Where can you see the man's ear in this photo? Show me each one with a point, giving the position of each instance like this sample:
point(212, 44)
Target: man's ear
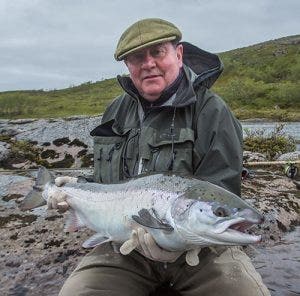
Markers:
point(179, 54)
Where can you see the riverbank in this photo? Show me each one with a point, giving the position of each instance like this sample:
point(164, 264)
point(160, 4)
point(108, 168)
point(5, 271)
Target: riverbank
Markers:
point(36, 256)
point(66, 142)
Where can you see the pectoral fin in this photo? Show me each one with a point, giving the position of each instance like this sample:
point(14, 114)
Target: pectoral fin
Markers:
point(145, 218)
point(95, 240)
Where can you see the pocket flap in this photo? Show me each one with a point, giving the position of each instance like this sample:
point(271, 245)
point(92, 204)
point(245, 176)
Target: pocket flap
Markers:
point(108, 140)
point(181, 135)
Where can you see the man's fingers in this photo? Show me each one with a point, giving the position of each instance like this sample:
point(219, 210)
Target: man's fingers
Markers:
point(152, 247)
point(60, 181)
point(57, 200)
point(192, 258)
point(63, 206)
point(141, 237)
point(129, 245)
point(159, 254)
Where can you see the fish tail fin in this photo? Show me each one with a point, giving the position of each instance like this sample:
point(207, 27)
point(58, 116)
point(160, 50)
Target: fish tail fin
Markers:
point(34, 198)
point(44, 176)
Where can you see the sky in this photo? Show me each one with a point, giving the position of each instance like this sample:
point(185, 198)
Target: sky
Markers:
point(55, 44)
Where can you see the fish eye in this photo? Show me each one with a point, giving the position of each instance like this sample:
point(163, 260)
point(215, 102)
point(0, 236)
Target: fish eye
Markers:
point(221, 212)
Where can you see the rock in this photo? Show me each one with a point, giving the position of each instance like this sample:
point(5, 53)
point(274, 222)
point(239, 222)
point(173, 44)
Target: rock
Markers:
point(4, 150)
point(9, 131)
point(13, 184)
point(22, 121)
point(49, 142)
point(290, 156)
point(249, 156)
point(46, 130)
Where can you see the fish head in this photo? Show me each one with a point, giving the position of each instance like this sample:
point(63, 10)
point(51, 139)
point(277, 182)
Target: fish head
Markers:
point(213, 223)
point(209, 192)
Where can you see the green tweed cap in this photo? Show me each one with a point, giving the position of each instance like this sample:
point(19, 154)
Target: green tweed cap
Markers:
point(144, 33)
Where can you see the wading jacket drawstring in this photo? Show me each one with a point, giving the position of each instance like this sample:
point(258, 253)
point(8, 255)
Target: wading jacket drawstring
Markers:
point(172, 133)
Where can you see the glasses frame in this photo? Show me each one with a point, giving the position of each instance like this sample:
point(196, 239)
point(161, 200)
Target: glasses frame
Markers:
point(157, 52)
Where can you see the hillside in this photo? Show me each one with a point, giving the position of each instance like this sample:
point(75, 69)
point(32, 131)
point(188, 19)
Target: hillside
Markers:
point(261, 80)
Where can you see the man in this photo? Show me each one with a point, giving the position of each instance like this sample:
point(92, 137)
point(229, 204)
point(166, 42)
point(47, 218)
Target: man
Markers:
point(166, 120)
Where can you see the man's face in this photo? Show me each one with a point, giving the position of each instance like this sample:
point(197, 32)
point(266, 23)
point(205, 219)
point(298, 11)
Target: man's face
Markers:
point(154, 68)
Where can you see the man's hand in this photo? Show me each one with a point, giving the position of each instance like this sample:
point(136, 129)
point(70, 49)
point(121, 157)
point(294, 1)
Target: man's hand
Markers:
point(57, 198)
point(146, 245)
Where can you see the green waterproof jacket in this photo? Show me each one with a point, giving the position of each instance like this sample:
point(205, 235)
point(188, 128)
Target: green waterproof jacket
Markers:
point(193, 132)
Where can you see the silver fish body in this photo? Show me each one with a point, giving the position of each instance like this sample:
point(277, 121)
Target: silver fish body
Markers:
point(180, 212)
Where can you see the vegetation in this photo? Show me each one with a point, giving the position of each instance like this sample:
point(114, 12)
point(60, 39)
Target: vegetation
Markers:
point(258, 81)
point(22, 152)
point(86, 99)
point(272, 145)
point(263, 80)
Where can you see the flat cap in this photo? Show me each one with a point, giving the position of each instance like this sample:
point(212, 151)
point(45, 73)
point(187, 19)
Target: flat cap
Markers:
point(144, 33)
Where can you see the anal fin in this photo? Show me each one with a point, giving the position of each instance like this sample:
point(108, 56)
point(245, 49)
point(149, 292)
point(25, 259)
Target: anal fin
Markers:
point(95, 240)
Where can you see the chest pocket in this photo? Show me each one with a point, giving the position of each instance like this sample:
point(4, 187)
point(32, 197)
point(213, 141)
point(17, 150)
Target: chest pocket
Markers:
point(108, 153)
point(162, 153)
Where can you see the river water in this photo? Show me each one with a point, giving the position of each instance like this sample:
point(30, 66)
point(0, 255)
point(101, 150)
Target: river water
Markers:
point(279, 265)
point(290, 128)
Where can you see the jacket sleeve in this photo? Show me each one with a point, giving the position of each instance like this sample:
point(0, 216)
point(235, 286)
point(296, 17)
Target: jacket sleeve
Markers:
point(218, 144)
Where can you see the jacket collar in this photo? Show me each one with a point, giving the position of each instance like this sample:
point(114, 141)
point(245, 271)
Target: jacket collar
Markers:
point(184, 95)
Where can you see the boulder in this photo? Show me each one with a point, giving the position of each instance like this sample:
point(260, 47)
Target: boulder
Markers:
point(4, 150)
point(249, 156)
point(290, 156)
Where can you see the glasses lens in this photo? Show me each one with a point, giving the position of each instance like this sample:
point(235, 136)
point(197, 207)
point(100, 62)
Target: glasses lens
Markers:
point(156, 52)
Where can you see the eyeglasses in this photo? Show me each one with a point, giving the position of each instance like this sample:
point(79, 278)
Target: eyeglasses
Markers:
point(156, 52)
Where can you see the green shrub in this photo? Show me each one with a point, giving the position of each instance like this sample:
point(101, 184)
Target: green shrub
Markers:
point(272, 145)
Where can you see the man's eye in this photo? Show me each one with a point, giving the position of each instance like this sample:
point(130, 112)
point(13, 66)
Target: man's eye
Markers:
point(138, 57)
point(158, 53)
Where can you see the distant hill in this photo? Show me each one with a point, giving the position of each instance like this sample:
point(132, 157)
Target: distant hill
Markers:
point(262, 80)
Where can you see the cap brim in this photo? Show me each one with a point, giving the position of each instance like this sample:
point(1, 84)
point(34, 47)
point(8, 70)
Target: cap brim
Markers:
point(157, 41)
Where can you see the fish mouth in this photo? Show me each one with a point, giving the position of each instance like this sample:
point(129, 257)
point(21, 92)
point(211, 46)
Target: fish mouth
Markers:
point(241, 226)
point(237, 228)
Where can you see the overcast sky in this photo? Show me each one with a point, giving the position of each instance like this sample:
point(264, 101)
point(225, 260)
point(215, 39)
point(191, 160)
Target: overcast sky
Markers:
point(53, 44)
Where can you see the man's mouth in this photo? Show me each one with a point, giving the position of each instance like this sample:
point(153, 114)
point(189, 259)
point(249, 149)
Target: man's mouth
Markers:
point(151, 76)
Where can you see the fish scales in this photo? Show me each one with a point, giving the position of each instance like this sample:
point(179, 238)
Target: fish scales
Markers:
point(110, 212)
point(181, 212)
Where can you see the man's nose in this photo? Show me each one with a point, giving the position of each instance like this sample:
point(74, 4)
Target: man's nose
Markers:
point(148, 60)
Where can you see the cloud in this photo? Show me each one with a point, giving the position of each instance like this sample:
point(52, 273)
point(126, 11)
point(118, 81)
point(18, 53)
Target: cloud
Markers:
point(54, 44)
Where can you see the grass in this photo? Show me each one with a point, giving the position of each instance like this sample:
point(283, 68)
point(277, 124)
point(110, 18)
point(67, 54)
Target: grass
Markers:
point(85, 99)
point(259, 81)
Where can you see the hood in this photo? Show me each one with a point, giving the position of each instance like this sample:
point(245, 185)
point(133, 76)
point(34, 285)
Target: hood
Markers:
point(207, 66)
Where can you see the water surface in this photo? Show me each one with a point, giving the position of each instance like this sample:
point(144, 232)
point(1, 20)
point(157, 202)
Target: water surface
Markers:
point(279, 265)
